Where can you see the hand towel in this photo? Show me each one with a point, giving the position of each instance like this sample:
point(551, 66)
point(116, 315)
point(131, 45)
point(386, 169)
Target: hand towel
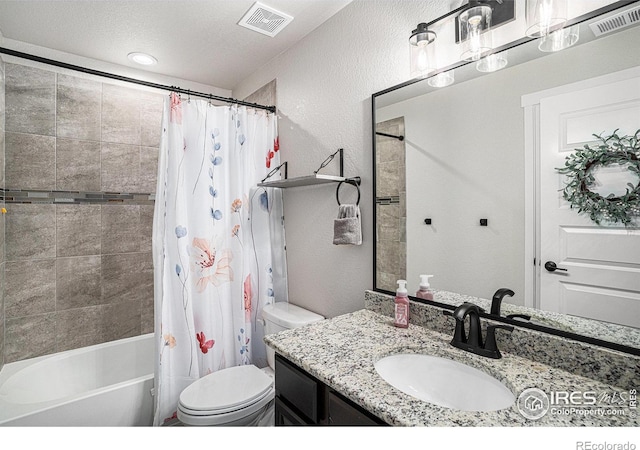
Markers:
point(347, 229)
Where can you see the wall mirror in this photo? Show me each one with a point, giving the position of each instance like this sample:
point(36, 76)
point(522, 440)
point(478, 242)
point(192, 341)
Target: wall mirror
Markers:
point(463, 186)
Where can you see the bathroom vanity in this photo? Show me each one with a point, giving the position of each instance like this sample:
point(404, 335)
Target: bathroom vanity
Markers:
point(325, 374)
point(302, 399)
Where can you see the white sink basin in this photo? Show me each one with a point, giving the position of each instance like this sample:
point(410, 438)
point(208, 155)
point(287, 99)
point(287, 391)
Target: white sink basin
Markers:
point(444, 382)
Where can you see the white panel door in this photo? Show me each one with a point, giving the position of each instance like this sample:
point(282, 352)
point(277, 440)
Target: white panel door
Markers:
point(602, 277)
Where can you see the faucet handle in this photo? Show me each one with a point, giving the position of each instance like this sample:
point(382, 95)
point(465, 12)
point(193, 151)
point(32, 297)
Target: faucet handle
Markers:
point(490, 342)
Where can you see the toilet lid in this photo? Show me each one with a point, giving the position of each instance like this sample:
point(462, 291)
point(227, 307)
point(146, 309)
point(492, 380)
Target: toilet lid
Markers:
point(226, 389)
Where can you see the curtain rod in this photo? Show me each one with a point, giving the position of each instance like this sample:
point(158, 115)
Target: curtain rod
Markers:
point(99, 73)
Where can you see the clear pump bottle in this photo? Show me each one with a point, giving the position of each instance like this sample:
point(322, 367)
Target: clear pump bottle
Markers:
point(425, 292)
point(401, 305)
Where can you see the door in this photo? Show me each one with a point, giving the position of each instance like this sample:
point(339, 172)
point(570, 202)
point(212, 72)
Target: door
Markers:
point(601, 276)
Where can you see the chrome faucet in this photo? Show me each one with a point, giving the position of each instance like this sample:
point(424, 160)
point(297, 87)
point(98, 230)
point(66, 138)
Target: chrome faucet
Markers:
point(473, 342)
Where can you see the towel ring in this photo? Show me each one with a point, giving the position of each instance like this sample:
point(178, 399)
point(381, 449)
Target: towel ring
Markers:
point(351, 182)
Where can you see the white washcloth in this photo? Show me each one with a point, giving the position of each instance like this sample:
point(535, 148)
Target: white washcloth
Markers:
point(347, 229)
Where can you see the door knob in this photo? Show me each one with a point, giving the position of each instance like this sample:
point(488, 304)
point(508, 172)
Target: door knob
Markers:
point(551, 267)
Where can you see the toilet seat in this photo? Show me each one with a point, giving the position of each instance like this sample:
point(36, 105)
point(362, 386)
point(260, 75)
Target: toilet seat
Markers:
point(226, 396)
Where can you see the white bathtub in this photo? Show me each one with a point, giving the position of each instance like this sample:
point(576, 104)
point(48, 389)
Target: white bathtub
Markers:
point(103, 385)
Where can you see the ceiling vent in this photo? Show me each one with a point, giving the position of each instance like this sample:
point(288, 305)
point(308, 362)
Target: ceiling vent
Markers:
point(616, 22)
point(265, 20)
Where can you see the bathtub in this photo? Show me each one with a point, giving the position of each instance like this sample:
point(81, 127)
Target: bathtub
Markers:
point(108, 384)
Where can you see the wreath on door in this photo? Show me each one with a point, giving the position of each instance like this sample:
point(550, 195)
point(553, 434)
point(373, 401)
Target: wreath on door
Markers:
point(579, 169)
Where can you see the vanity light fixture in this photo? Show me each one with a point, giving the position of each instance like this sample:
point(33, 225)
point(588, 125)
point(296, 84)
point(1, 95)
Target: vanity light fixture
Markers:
point(421, 37)
point(545, 16)
point(475, 30)
point(474, 23)
point(559, 40)
point(142, 58)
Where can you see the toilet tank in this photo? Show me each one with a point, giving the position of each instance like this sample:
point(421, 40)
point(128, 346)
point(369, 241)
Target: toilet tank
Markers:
point(281, 316)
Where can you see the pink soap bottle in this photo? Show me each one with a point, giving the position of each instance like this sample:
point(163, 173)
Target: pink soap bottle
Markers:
point(425, 292)
point(401, 305)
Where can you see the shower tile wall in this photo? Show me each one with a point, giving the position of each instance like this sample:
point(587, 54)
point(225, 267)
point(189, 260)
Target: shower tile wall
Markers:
point(2, 258)
point(391, 211)
point(79, 273)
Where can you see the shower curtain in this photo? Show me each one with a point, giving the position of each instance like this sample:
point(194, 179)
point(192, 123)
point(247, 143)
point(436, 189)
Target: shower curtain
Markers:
point(218, 243)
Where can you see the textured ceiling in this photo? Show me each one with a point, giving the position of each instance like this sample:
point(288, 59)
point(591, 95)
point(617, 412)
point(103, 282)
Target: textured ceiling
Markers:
point(198, 40)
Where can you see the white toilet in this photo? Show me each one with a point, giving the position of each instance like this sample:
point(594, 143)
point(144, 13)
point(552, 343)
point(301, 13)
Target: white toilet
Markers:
point(241, 395)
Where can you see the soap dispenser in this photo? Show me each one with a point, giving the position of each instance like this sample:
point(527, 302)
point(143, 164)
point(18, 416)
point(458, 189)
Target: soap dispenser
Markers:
point(425, 291)
point(401, 305)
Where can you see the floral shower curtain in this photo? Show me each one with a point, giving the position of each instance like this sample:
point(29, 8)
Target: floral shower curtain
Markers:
point(213, 236)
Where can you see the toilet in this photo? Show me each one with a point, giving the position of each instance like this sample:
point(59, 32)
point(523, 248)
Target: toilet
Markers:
point(241, 395)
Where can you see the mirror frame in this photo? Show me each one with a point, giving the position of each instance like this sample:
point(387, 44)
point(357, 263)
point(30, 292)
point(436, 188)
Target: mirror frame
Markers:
point(513, 322)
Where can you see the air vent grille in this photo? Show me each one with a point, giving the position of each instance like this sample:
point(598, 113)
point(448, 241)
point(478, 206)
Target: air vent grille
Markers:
point(265, 20)
point(616, 22)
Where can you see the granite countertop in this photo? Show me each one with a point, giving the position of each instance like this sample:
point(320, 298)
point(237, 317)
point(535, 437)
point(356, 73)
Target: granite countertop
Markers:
point(341, 352)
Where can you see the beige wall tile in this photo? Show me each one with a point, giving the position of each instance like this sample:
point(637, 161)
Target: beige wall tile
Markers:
point(79, 327)
point(30, 231)
point(126, 277)
point(120, 167)
point(30, 161)
point(77, 282)
point(121, 320)
point(29, 100)
point(146, 227)
point(78, 108)
point(120, 115)
point(120, 229)
point(78, 230)
point(148, 169)
point(77, 165)
point(151, 106)
point(2, 158)
point(30, 287)
point(31, 336)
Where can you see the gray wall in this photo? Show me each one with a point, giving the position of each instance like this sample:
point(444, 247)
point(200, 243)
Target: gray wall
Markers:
point(2, 263)
point(266, 95)
point(78, 267)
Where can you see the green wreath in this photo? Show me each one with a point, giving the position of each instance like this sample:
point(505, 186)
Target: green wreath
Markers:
point(614, 149)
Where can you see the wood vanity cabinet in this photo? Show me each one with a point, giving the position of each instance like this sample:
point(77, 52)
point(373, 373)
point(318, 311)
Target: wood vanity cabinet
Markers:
point(302, 400)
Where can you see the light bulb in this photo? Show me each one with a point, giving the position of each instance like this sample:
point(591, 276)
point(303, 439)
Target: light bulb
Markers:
point(422, 62)
point(474, 35)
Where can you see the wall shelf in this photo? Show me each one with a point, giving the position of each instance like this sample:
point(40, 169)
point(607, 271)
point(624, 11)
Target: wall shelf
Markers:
point(311, 180)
